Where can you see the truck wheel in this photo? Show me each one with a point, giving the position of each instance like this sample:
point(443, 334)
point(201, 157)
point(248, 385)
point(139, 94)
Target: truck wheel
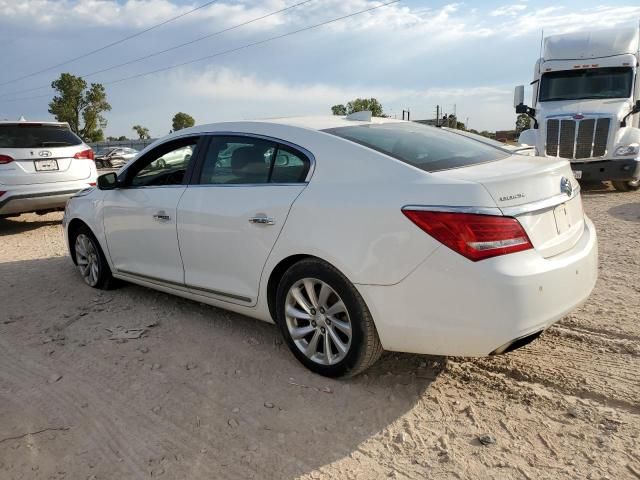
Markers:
point(626, 186)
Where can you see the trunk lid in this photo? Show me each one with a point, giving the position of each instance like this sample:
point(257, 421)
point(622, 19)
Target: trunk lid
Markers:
point(541, 192)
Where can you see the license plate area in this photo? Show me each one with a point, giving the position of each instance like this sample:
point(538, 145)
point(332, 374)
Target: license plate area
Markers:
point(577, 174)
point(563, 218)
point(46, 165)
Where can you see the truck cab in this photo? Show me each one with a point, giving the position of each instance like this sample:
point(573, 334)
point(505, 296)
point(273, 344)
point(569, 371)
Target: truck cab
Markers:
point(586, 105)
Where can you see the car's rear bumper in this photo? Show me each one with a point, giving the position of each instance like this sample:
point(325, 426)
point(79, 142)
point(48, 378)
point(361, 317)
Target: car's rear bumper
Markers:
point(452, 306)
point(603, 170)
point(34, 198)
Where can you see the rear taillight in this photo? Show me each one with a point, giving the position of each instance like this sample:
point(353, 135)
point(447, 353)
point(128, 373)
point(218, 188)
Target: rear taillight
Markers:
point(473, 235)
point(2, 193)
point(85, 155)
point(4, 159)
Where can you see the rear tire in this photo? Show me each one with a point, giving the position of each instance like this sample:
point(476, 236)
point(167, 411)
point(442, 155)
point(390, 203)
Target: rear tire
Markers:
point(626, 185)
point(90, 260)
point(325, 321)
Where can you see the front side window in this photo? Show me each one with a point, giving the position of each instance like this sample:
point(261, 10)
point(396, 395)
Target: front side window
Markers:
point(427, 148)
point(581, 84)
point(164, 165)
point(248, 160)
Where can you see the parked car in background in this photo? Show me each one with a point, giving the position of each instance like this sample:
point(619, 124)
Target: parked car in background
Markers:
point(115, 157)
point(517, 149)
point(353, 236)
point(175, 159)
point(42, 164)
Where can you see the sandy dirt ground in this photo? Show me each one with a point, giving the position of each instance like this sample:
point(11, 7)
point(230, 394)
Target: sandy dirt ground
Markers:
point(207, 394)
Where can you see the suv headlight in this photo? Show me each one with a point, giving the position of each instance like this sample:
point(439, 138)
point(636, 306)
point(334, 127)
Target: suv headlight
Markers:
point(627, 150)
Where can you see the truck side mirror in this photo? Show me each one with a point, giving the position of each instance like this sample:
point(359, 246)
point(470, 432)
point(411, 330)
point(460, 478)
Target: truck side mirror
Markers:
point(635, 109)
point(108, 181)
point(518, 96)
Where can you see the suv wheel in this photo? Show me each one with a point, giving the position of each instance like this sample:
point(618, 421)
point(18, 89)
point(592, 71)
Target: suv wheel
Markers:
point(626, 186)
point(325, 321)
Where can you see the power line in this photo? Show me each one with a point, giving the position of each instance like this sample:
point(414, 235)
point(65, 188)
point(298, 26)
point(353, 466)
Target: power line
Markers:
point(117, 42)
point(159, 52)
point(231, 50)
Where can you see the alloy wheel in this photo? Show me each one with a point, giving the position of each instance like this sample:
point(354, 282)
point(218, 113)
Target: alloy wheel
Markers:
point(87, 259)
point(318, 321)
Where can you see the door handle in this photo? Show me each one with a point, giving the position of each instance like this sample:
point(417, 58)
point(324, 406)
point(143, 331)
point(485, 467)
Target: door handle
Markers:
point(161, 216)
point(263, 220)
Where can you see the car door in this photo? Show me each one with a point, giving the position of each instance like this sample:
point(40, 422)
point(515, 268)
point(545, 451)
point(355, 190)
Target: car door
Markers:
point(140, 215)
point(231, 215)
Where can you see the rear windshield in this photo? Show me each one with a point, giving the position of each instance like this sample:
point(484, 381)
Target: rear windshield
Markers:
point(36, 136)
point(427, 148)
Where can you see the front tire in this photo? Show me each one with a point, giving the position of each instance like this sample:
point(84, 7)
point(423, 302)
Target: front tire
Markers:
point(90, 260)
point(325, 321)
point(626, 185)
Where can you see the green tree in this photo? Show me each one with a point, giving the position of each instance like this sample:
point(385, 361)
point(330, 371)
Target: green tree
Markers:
point(80, 106)
point(339, 109)
point(142, 132)
point(359, 105)
point(523, 122)
point(452, 122)
point(182, 120)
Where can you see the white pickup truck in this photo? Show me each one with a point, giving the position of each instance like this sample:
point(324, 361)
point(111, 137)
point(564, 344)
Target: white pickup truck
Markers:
point(586, 103)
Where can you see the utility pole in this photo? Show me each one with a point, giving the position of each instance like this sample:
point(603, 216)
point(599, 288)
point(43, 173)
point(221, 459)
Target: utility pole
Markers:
point(466, 124)
point(437, 115)
point(455, 117)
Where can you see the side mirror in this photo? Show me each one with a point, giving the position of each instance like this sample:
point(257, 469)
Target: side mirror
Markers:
point(518, 96)
point(108, 181)
point(635, 109)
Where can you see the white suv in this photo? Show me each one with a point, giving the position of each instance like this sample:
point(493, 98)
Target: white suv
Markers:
point(42, 165)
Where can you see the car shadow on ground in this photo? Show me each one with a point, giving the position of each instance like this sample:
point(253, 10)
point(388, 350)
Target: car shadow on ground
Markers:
point(204, 393)
point(13, 225)
point(628, 211)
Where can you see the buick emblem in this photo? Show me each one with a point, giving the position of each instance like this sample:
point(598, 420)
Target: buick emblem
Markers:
point(578, 116)
point(45, 153)
point(565, 186)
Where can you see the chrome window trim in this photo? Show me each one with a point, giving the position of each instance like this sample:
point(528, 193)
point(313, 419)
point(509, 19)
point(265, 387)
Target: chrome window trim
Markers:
point(451, 209)
point(309, 155)
point(543, 204)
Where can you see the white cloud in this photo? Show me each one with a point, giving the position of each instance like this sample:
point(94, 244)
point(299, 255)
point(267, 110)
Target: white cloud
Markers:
point(560, 20)
point(508, 10)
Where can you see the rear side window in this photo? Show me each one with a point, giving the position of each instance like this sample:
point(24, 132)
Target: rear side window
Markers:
point(248, 160)
point(427, 148)
point(31, 135)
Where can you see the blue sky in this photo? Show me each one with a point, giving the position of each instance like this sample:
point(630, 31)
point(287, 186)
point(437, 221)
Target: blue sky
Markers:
point(412, 54)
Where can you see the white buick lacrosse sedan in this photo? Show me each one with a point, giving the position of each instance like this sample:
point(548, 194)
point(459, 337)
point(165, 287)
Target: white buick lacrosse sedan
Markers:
point(354, 236)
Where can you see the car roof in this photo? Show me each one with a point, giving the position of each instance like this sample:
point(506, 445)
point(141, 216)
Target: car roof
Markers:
point(317, 123)
point(18, 122)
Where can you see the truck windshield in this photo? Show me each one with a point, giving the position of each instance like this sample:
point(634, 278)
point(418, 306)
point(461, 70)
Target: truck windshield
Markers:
point(612, 82)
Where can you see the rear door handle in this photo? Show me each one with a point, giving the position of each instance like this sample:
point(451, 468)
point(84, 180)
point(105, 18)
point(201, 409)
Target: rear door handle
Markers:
point(161, 216)
point(263, 220)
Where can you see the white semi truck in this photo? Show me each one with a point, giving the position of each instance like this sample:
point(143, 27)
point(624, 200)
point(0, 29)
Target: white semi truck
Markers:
point(586, 104)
